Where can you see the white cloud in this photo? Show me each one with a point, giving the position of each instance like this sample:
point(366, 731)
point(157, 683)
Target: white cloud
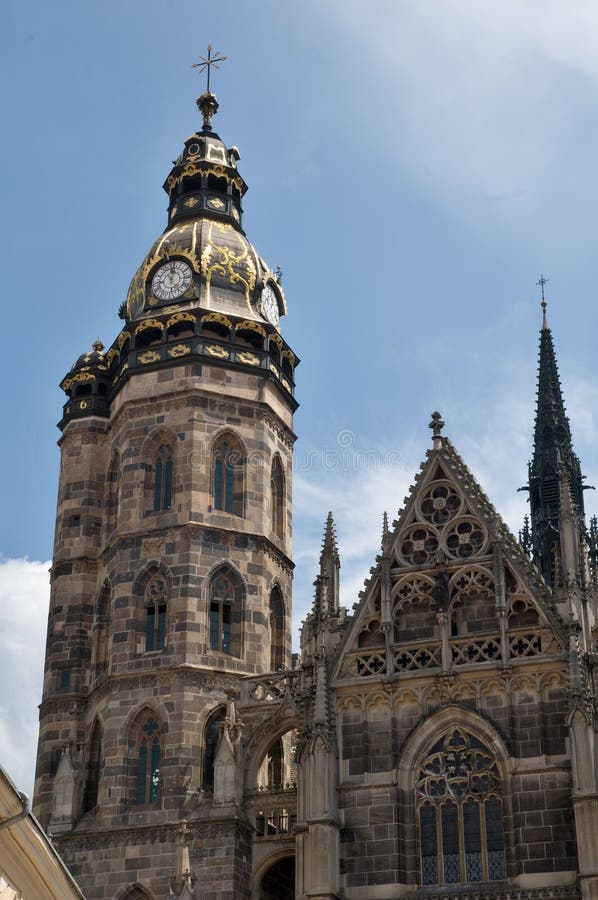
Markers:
point(487, 103)
point(493, 433)
point(24, 593)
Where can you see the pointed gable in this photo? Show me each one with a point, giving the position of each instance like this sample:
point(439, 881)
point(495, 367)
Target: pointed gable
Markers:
point(451, 588)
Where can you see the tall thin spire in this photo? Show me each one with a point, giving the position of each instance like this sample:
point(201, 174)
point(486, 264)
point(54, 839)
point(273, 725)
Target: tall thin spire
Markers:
point(385, 532)
point(329, 544)
point(554, 468)
point(330, 565)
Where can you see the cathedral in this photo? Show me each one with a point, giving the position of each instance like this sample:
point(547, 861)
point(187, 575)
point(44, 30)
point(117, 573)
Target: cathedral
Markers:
point(439, 740)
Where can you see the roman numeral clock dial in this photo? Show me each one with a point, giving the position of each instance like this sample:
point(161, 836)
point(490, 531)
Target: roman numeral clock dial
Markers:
point(172, 280)
point(270, 306)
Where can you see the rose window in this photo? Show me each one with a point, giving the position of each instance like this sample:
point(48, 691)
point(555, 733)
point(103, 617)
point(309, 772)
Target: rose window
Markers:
point(465, 539)
point(419, 546)
point(440, 504)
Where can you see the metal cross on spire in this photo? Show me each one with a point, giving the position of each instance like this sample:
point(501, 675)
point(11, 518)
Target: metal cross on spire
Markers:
point(206, 62)
point(541, 282)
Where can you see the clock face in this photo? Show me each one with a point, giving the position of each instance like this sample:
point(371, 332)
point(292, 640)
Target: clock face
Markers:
point(172, 280)
point(270, 305)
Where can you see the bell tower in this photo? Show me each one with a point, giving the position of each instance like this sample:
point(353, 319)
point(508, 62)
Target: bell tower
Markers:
point(171, 576)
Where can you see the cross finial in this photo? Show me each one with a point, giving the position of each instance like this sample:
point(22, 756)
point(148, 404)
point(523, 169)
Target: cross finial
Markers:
point(541, 282)
point(206, 63)
point(437, 425)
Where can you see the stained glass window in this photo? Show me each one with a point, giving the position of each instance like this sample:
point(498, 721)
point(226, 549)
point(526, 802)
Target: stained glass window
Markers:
point(222, 595)
point(429, 846)
point(155, 613)
point(460, 813)
point(147, 780)
point(277, 499)
point(494, 839)
point(163, 472)
point(228, 478)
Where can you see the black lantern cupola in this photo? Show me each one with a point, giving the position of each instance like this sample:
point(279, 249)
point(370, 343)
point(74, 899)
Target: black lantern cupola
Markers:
point(204, 179)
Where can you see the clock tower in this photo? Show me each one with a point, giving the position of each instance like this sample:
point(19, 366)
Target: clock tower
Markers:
point(171, 575)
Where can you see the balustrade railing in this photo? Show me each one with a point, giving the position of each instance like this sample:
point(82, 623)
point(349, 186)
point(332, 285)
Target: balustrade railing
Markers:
point(409, 659)
point(274, 809)
point(267, 688)
point(460, 651)
point(532, 643)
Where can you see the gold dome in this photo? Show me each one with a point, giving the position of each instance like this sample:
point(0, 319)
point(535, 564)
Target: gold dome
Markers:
point(228, 275)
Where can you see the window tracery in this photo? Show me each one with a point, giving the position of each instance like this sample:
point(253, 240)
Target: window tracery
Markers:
point(473, 579)
point(473, 604)
point(414, 611)
point(211, 738)
point(459, 812)
point(147, 775)
point(227, 472)
point(440, 504)
point(371, 635)
point(225, 611)
point(419, 545)
point(163, 472)
point(465, 538)
point(155, 613)
point(277, 498)
point(412, 589)
point(521, 613)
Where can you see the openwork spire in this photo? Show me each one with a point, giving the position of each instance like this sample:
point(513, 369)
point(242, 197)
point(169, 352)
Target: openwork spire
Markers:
point(554, 472)
point(552, 425)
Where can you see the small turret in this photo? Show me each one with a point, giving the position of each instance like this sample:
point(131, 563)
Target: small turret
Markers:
point(87, 385)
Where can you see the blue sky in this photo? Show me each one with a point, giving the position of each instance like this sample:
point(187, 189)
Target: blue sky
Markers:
point(413, 170)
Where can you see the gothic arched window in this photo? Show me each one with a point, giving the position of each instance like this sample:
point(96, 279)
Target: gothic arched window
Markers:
point(277, 648)
point(459, 813)
point(163, 472)
point(155, 612)
point(277, 498)
point(92, 775)
point(137, 893)
point(228, 471)
point(414, 612)
point(225, 607)
point(211, 737)
point(147, 770)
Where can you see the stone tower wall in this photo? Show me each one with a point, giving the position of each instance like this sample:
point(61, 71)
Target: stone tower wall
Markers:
point(109, 468)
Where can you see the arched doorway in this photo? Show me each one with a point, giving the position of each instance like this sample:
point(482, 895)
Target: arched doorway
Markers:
point(278, 882)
